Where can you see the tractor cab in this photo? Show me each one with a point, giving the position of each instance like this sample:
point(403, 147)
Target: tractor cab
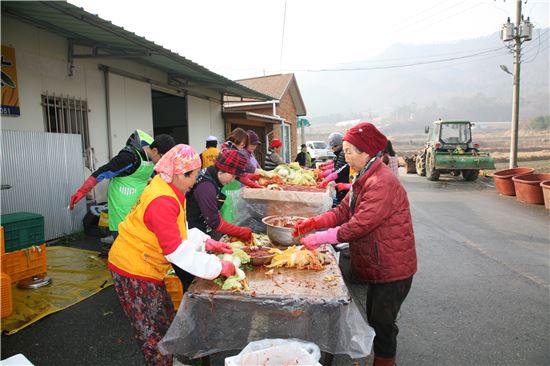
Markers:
point(449, 149)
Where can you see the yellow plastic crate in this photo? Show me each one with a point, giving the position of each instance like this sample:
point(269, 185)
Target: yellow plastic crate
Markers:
point(6, 299)
point(25, 263)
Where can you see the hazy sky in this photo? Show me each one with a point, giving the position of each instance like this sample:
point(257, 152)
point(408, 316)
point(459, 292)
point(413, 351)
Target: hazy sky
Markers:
point(243, 38)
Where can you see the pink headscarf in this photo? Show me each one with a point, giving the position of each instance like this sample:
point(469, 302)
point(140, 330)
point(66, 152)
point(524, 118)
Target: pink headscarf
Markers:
point(178, 160)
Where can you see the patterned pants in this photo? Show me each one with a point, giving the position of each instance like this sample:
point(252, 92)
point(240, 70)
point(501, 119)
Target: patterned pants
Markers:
point(150, 311)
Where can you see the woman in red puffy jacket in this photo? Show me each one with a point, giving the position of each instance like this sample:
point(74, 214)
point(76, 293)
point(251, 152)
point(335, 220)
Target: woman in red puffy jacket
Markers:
point(374, 218)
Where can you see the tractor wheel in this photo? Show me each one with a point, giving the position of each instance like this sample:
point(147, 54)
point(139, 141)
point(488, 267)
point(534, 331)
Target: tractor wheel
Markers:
point(431, 173)
point(470, 175)
point(421, 165)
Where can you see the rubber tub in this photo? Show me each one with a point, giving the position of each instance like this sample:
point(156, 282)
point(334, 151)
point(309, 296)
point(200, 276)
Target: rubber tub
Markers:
point(503, 179)
point(528, 188)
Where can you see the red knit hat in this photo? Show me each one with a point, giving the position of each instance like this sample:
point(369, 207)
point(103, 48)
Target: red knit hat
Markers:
point(275, 143)
point(367, 138)
point(231, 161)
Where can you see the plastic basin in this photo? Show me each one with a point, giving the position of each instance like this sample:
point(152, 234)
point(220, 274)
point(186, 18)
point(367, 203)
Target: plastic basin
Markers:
point(503, 179)
point(545, 185)
point(528, 188)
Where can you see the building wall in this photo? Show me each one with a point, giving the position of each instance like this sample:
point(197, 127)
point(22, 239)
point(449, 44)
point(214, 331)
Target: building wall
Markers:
point(205, 117)
point(41, 60)
point(287, 110)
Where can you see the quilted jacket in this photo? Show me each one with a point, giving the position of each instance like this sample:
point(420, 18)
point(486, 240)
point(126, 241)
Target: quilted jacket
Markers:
point(379, 228)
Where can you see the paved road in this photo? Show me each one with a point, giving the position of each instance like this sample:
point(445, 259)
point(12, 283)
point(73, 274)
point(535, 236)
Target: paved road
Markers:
point(481, 296)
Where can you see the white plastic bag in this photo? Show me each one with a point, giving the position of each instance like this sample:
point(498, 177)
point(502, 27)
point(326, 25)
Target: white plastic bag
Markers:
point(276, 352)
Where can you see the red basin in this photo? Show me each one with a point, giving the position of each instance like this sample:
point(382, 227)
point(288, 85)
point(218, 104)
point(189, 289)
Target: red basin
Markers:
point(546, 193)
point(503, 179)
point(528, 188)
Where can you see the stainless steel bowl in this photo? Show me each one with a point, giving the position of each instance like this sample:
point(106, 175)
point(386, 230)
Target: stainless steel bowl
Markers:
point(278, 234)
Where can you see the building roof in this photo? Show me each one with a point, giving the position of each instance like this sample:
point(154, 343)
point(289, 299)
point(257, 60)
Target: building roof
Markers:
point(275, 86)
point(108, 40)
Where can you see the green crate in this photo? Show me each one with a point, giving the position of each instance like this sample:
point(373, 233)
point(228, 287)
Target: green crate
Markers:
point(22, 230)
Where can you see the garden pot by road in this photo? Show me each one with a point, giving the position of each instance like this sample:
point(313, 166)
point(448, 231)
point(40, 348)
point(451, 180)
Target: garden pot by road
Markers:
point(528, 188)
point(503, 179)
point(546, 193)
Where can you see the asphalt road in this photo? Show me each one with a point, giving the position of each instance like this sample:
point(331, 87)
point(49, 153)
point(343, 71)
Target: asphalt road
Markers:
point(480, 297)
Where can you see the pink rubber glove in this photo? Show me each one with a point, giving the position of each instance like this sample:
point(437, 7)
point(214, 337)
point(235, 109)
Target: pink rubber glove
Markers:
point(315, 240)
point(328, 165)
point(328, 179)
point(343, 186)
point(228, 269)
point(325, 173)
point(212, 245)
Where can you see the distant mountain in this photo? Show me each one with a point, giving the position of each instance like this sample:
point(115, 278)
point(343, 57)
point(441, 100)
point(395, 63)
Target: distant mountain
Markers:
point(472, 88)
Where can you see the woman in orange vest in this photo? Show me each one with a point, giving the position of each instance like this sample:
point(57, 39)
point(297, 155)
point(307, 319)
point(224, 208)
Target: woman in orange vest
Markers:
point(154, 237)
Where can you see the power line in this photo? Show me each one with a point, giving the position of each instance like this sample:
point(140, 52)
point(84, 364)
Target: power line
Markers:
point(424, 12)
point(427, 56)
point(382, 67)
point(282, 39)
point(450, 16)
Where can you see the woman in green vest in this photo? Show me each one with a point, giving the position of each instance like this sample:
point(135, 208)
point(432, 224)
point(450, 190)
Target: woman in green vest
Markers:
point(129, 173)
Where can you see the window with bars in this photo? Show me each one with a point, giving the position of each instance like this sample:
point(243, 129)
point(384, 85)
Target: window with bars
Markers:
point(64, 114)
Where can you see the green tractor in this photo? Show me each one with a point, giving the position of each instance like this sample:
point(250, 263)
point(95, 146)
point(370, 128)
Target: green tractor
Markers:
point(449, 150)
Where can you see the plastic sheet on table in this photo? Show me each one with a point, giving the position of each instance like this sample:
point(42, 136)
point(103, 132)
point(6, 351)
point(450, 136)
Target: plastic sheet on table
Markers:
point(251, 205)
point(288, 304)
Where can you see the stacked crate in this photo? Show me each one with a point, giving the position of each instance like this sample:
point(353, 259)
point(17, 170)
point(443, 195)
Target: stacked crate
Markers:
point(23, 250)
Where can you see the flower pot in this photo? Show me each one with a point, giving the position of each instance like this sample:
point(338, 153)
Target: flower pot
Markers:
point(528, 189)
point(503, 179)
point(546, 193)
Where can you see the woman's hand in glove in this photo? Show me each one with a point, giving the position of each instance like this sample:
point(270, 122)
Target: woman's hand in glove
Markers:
point(343, 186)
point(331, 177)
point(212, 245)
point(304, 226)
point(249, 180)
point(228, 269)
point(315, 240)
point(325, 173)
point(327, 165)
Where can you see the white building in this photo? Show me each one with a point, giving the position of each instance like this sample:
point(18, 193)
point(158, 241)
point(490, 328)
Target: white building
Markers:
point(79, 74)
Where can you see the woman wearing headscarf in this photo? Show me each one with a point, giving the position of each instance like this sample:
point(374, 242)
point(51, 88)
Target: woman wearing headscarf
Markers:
point(337, 169)
point(375, 219)
point(154, 237)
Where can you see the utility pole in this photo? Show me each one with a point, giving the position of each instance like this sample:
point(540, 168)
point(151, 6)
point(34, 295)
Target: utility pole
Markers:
point(519, 32)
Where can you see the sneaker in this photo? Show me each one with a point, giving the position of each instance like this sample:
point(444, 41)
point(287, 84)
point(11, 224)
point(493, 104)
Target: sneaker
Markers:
point(107, 240)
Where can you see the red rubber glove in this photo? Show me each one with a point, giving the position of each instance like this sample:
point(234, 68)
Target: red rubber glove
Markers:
point(228, 269)
point(254, 176)
point(212, 245)
point(244, 233)
point(247, 180)
point(85, 188)
point(304, 226)
point(343, 186)
point(327, 219)
point(315, 240)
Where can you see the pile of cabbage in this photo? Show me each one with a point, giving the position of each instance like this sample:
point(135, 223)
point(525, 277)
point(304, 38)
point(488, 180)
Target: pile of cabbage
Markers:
point(239, 258)
point(291, 173)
